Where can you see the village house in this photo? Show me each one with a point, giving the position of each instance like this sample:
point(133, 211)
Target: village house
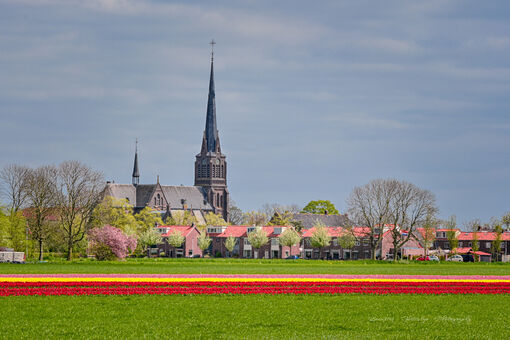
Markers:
point(188, 248)
point(334, 251)
point(243, 249)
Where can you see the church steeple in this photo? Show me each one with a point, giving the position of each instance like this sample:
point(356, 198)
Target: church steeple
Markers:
point(210, 163)
point(211, 139)
point(136, 172)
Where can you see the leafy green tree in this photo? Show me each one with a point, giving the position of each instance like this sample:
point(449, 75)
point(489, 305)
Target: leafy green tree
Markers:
point(496, 244)
point(320, 207)
point(148, 238)
point(175, 239)
point(12, 229)
point(289, 238)
point(257, 238)
point(298, 225)
point(185, 218)
point(115, 212)
point(230, 244)
point(204, 242)
point(147, 219)
point(451, 233)
point(429, 233)
point(214, 219)
point(281, 218)
point(347, 240)
point(506, 220)
point(320, 237)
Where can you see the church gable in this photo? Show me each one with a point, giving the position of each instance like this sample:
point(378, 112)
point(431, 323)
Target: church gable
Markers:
point(157, 199)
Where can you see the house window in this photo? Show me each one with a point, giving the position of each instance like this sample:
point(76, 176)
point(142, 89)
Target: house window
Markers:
point(447, 245)
point(487, 244)
point(335, 241)
point(470, 244)
point(366, 242)
point(357, 243)
point(247, 253)
point(274, 241)
point(502, 245)
point(246, 242)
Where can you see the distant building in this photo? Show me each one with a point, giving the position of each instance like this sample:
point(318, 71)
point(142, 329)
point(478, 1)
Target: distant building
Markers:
point(309, 220)
point(209, 193)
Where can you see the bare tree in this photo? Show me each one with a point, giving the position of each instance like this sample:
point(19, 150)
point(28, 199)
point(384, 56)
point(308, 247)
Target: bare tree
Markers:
point(255, 218)
point(40, 194)
point(235, 215)
point(13, 180)
point(269, 209)
point(370, 206)
point(409, 207)
point(79, 191)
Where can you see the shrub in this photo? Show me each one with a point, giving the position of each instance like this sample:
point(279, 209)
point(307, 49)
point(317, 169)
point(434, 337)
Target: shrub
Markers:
point(108, 243)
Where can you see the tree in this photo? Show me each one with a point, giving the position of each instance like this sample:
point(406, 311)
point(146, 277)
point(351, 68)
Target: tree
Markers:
point(409, 208)
point(40, 194)
point(13, 181)
point(347, 240)
point(185, 218)
point(235, 215)
point(369, 206)
point(230, 243)
point(115, 212)
point(506, 220)
point(257, 238)
point(451, 232)
point(148, 238)
point(269, 209)
point(289, 238)
point(298, 225)
point(320, 237)
point(320, 207)
point(204, 242)
point(79, 190)
point(147, 219)
point(175, 239)
point(255, 218)
point(214, 219)
point(108, 243)
point(429, 233)
point(496, 244)
point(281, 218)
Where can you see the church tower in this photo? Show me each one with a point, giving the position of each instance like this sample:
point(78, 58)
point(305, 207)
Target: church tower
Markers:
point(210, 163)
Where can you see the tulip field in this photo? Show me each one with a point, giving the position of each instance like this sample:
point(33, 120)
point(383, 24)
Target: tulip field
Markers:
point(113, 303)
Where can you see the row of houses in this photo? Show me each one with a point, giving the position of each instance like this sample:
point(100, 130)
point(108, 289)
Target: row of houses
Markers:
point(361, 250)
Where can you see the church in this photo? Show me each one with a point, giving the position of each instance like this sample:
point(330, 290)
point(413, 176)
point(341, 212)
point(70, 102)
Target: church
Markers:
point(208, 194)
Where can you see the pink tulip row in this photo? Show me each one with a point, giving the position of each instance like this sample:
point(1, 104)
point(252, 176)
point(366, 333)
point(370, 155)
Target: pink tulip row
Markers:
point(277, 287)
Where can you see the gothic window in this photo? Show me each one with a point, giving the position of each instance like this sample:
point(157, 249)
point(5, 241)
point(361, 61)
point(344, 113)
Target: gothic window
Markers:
point(222, 171)
point(208, 170)
point(155, 201)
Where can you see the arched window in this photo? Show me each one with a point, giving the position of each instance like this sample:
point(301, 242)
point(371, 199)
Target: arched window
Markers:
point(208, 170)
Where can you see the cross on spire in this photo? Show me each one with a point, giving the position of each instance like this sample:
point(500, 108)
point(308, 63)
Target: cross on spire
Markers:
point(212, 43)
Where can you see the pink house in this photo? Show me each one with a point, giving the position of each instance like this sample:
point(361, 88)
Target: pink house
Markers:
point(243, 249)
point(189, 247)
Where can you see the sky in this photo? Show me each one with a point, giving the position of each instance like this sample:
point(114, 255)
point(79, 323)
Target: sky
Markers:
point(312, 98)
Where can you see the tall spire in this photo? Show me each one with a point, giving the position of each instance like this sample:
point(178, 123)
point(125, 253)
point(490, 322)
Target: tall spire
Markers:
point(136, 173)
point(211, 130)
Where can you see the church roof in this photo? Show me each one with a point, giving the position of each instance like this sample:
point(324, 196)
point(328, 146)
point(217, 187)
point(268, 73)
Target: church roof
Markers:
point(140, 195)
point(196, 197)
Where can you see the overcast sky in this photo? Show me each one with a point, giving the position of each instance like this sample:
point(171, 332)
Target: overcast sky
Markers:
point(312, 98)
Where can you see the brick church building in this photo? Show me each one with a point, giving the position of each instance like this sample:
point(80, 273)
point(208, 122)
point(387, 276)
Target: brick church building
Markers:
point(209, 193)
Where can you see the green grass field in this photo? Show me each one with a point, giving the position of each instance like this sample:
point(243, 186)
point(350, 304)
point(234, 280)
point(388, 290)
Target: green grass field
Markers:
point(239, 266)
point(256, 316)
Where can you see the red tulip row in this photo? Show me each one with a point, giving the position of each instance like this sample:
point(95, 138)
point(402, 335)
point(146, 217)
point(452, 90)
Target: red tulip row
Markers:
point(358, 287)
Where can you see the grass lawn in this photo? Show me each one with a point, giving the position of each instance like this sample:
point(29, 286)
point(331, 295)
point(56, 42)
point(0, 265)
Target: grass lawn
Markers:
point(256, 316)
point(242, 266)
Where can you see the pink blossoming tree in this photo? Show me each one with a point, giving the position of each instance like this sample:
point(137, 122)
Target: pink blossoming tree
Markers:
point(109, 243)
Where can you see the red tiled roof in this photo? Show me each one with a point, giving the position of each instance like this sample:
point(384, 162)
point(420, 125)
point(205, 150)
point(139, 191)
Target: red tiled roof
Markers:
point(466, 250)
point(183, 229)
point(483, 236)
